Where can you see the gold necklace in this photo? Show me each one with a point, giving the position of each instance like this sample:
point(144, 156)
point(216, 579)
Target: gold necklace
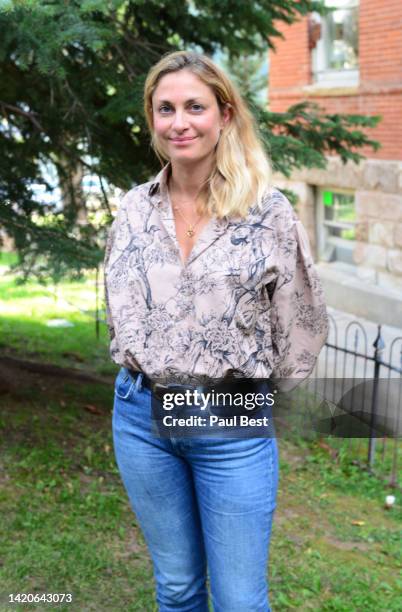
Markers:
point(191, 226)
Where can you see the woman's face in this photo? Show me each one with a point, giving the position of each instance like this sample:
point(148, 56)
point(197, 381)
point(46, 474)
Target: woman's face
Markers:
point(186, 117)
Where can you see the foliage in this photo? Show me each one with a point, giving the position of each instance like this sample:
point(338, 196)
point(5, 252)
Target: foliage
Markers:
point(249, 73)
point(72, 76)
point(303, 135)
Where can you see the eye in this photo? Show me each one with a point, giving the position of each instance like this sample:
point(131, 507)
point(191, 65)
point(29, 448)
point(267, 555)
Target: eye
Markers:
point(164, 108)
point(197, 107)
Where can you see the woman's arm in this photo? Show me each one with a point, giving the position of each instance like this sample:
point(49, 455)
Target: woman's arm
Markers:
point(299, 321)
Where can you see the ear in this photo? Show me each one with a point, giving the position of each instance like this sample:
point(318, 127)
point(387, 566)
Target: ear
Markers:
point(226, 114)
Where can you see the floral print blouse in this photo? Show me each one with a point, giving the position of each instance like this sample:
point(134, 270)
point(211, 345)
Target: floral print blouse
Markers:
point(247, 303)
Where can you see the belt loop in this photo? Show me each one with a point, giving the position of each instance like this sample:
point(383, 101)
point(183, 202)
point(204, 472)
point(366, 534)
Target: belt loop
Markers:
point(138, 382)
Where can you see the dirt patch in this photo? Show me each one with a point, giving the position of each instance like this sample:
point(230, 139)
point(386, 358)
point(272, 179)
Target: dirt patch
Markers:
point(294, 456)
point(41, 383)
point(132, 546)
point(12, 367)
point(284, 514)
point(37, 401)
point(346, 545)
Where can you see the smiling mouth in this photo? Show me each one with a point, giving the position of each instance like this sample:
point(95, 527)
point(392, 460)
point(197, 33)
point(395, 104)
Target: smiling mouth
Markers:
point(182, 139)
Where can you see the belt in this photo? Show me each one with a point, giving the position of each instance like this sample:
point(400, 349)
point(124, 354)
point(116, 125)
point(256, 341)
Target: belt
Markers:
point(244, 385)
point(146, 382)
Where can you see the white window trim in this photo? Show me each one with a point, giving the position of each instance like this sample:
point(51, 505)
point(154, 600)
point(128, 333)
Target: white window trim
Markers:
point(323, 77)
point(336, 78)
point(325, 242)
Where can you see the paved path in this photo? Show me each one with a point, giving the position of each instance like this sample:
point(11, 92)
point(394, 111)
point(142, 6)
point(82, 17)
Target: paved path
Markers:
point(350, 335)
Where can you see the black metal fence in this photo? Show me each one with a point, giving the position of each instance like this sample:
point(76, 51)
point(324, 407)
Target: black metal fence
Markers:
point(350, 358)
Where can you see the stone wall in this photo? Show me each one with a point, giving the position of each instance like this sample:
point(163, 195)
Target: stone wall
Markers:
point(378, 190)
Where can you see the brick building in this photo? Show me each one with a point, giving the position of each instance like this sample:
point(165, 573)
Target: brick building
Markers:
point(350, 61)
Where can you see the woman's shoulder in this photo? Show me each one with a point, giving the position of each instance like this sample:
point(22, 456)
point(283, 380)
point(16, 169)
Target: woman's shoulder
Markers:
point(276, 199)
point(274, 207)
point(138, 191)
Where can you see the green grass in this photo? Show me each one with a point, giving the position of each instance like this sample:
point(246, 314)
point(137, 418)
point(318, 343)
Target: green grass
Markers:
point(336, 547)
point(70, 529)
point(8, 259)
point(65, 520)
point(26, 311)
point(63, 508)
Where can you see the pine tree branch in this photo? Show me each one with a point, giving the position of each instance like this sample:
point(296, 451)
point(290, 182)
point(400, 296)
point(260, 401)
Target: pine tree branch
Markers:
point(29, 114)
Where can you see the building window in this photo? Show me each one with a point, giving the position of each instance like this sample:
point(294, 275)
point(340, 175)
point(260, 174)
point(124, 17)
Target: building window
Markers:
point(335, 44)
point(337, 225)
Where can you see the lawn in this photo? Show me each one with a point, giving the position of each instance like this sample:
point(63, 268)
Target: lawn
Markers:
point(66, 523)
point(30, 313)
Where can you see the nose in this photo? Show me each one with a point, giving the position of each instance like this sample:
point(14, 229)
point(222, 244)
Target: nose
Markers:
point(180, 121)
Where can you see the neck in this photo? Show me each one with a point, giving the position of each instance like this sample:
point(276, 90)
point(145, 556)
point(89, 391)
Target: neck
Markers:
point(187, 180)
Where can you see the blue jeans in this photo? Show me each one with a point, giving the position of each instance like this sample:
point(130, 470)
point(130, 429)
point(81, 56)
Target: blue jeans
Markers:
point(200, 502)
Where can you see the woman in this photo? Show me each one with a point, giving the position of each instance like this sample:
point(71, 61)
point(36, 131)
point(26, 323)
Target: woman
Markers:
point(208, 279)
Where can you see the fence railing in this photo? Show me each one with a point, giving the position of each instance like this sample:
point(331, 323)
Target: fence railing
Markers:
point(369, 373)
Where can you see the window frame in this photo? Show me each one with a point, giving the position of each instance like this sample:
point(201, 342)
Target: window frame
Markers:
point(327, 244)
point(322, 75)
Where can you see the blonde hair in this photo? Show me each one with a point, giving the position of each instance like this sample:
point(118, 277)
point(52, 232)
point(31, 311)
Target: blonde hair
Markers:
point(242, 171)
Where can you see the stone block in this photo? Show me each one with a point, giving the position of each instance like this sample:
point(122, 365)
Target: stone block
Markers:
point(362, 231)
point(381, 175)
point(382, 233)
point(336, 174)
point(382, 206)
point(371, 255)
point(303, 192)
point(345, 176)
point(359, 252)
point(398, 235)
point(400, 178)
point(394, 261)
point(371, 174)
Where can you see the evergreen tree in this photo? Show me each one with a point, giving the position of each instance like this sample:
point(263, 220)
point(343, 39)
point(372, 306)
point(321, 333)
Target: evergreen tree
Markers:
point(71, 82)
point(249, 72)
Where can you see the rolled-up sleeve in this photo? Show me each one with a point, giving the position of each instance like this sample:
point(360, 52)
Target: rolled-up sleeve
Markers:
point(299, 321)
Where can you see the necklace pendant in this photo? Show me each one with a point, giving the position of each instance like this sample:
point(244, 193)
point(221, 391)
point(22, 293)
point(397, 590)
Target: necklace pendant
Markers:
point(190, 232)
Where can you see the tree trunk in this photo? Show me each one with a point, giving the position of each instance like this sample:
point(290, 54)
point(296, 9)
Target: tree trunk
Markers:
point(71, 173)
